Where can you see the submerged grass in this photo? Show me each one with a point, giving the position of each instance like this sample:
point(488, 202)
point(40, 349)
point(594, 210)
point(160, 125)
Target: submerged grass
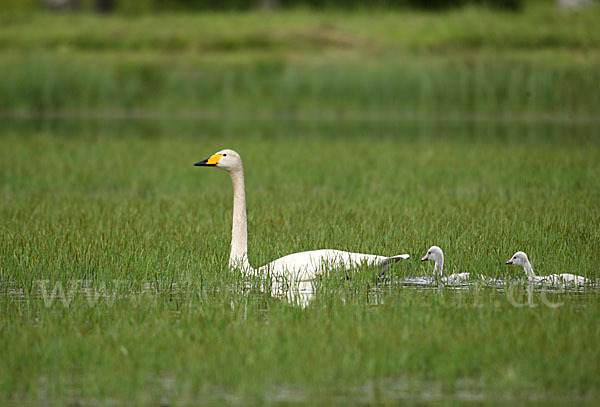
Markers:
point(119, 206)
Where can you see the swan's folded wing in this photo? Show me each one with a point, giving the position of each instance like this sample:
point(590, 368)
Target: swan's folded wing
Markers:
point(563, 279)
point(458, 278)
point(573, 279)
point(310, 263)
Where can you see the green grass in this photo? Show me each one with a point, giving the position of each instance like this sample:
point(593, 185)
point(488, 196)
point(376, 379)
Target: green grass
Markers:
point(118, 204)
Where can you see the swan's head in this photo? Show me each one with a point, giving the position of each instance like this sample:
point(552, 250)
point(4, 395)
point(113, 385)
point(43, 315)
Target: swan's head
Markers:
point(227, 160)
point(518, 259)
point(434, 254)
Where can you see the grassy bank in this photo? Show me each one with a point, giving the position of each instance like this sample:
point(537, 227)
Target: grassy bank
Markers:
point(308, 33)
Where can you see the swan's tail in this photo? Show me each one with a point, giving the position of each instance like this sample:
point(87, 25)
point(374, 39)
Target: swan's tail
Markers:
point(399, 257)
point(394, 259)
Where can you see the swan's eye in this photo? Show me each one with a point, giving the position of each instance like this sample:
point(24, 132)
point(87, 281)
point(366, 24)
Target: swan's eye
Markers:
point(428, 252)
point(224, 155)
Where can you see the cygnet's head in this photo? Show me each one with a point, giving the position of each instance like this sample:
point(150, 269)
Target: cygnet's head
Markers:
point(434, 254)
point(518, 259)
point(227, 160)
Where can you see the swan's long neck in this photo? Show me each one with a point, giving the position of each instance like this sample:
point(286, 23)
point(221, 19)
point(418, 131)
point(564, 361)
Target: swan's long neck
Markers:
point(439, 266)
point(239, 230)
point(529, 270)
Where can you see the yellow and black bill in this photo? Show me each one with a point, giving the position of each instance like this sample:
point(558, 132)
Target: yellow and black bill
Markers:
point(209, 162)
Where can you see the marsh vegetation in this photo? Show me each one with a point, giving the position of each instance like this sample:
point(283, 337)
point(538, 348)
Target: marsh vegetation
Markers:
point(357, 133)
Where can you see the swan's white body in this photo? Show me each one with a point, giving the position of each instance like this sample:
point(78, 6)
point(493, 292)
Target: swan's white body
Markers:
point(306, 264)
point(294, 267)
point(436, 255)
point(456, 278)
point(564, 278)
point(520, 259)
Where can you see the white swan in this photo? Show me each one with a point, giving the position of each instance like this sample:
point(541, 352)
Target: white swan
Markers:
point(520, 259)
point(436, 255)
point(295, 267)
